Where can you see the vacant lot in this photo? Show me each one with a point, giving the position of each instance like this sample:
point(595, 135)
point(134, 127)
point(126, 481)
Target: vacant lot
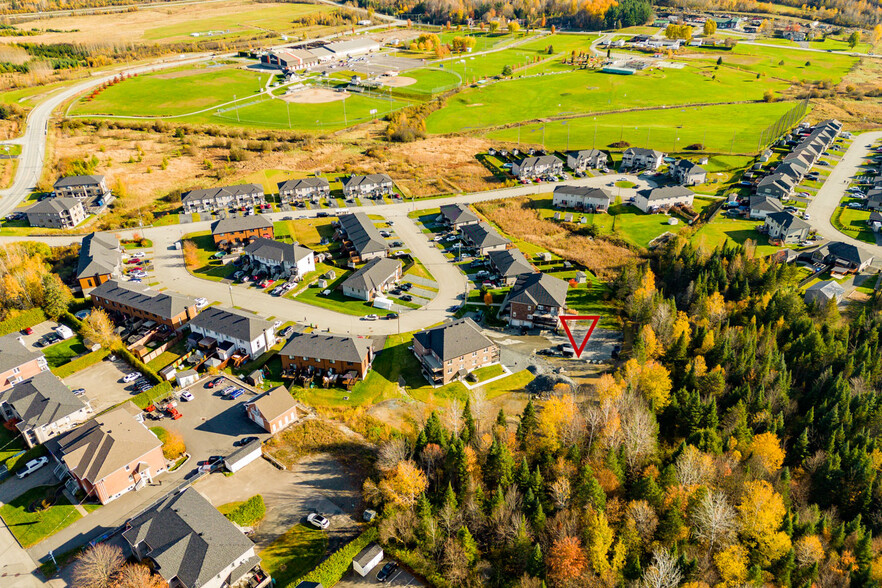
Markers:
point(722, 230)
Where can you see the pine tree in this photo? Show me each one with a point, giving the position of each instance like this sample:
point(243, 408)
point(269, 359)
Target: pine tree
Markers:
point(528, 424)
point(470, 428)
point(538, 518)
point(536, 563)
point(450, 498)
point(501, 420)
point(588, 490)
point(469, 545)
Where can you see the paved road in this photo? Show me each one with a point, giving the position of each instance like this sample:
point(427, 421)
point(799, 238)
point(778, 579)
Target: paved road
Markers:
point(824, 204)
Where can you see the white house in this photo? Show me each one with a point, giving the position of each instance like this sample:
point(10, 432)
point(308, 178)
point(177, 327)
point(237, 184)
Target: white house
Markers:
point(250, 334)
point(640, 158)
point(279, 258)
point(658, 198)
point(582, 198)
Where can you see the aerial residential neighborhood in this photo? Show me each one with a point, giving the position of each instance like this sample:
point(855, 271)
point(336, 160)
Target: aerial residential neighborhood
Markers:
point(518, 295)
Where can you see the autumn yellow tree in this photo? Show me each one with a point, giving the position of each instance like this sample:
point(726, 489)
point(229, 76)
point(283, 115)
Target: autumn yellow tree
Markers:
point(99, 328)
point(710, 27)
point(732, 564)
point(655, 384)
point(761, 512)
point(191, 254)
point(808, 550)
point(403, 484)
point(556, 412)
point(173, 445)
point(649, 342)
point(877, 34)
point(600, 539)
point(767, 453)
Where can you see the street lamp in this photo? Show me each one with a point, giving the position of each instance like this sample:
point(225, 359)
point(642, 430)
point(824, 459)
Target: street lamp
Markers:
point(231, 296)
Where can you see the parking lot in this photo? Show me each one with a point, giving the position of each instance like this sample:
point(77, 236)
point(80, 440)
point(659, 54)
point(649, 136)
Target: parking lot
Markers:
point(400, 577)
point(103, 384)
point(39, 331)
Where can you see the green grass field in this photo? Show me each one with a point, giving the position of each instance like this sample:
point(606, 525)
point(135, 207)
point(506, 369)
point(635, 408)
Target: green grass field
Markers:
point(723, 229)
point(767, 60)
point(592, 91)
point(430, 80)
point(294, 554)
point(63, 352)
point(854, 224)
point(174, 92)
point(32, 527)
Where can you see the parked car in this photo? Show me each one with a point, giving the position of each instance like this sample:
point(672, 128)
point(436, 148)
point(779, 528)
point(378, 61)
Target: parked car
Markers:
point(235, 393)
point(82, 314)
point(406, 298)
point(318, 520)
point(79, 391)
point(370, 317)
point(244, 441)
point(32, 466)
point(201, 302)
point(131, 377)
point(186, 396)
point(228, 390)
point(391, 315)
point(27, 331)
point(211, 461)
point(215, 382)
point(386, 572)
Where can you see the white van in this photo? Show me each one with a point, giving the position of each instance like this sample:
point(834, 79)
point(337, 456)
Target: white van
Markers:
point(64, 332)
point(340, 211)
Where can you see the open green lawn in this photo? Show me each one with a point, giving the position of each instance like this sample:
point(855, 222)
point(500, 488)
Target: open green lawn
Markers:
point(484, 40)
point(487, 372)
point(668, 130)
point(854, 224)
point(560, 43)
point(593, 91)
point(294, 554)
point(590, 298)
point(309, 232)
point(10, 444)
point(207, 268)
point(32, 527)
point(336, 300)
point(179, 91)
point(723, 229)
point(767, 60)
point(431, 80)
point(63, 352)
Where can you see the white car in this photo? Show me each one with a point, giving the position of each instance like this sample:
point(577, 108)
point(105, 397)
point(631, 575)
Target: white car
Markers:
point(277, 324)
point(201, 302)
point(131, 377)
point(369, 317)
point(316, 520)
point(32, 466)
point(228, 390)
point(187, 396)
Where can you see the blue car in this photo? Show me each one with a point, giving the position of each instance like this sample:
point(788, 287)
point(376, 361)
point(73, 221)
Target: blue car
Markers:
point(236, 393)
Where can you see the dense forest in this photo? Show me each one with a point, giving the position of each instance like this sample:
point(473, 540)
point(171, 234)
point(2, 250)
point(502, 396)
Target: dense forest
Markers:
point(738, 445)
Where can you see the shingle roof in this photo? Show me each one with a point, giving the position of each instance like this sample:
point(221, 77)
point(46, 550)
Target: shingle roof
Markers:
point(826, 289)
point(483, 235)
point(361, 231)
point(848, 252)
point(240, 223)
point(454, 339)
point(688, 166)
point(644, 152)
point(104, 444)
point(14, 354)
point(142, 297)
point(99, 254)
point(89, 180)
point(277, 251)
point(778, 179)
point(54, 205)
point(368, 179)
point(230, 322)
point(788, 221)
point(296, 184)
point(540, 160)
point(372, 274)
point(586, 153)
point(656, 194)
point(586, 191)
point(366, 555)
point(767, 203)
point(274, 403)
point(510, 262)
point(536, 289)
point(330, 347)
point(188, 538)
point(458, 213)
point(213, 193)
point(41, 400)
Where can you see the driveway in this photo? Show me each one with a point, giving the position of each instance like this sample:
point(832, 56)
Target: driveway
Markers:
point(317, 483)
point(14, 486)
point(41, 329)
point(399, 577)
point(103, 384)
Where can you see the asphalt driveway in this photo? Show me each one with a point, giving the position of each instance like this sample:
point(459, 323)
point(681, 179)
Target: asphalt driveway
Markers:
point(103, 384)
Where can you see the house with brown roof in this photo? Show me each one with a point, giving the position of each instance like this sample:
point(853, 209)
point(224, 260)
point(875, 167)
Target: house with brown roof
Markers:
point(340, 353)
point(17, 362)
point(232, 232)
point(131, 300)
point(535, 300)
point(110, 455)
point(274, 410)
point(453, 350)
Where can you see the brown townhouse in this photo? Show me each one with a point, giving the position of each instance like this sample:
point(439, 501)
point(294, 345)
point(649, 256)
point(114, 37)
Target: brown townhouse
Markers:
point(100, 260)
point(134, 300)
point(17, 362)
point(273, 410)
point(451, 351)
point(230, 232)
point(324, 352)
point(535, 300)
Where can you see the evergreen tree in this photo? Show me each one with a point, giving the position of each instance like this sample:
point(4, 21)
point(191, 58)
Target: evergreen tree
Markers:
point(536, 563)
point(470, 428)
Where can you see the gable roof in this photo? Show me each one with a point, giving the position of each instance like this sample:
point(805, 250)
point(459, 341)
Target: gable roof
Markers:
point(847, 251)
point(828, 288)
point(230, 322)
point(99, 254)
point(454, 339)
point(510, 262)
point(274, 403)
point(13, 353)
point(767, 203)
point(330, 347)
point(213, 193)
point(689, 167)
point(360, 230)
point(540, 160)
point(656, 194)
point(644, 152)
point(538, 289)
point(187, 538)
point(89, 180)
point(104, 444)
point(585, 191)
point(777, 179)
point(41, 400)
point(310, 182)
point(355, 180)
point(372, 274)
point(483, 235)
point(142, 297)
point(240, 223)
point(277, 251)
point(788, 221)
point(586, 153)
point(458, 213)
point(54, 206)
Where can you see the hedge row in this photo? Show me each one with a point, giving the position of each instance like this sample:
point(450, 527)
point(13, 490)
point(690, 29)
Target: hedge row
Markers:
point(25, 319)
point(148, 397)
point(332, 569)
point(80, 363)
point(138, 364)
point(249, 512)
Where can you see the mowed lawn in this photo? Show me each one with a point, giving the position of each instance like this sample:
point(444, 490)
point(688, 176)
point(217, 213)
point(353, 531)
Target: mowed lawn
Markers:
point(797, 65)
point(294, 554)
point(32, 527)
point(430, 80)
point(855, 223)
point(668, 130)
point(722, 230)
point(175, 92)
point(593, 91)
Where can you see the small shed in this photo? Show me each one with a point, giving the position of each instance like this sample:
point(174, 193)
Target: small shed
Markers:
point(186, 378)
point(255, 378)
point(330, 275)
point(581, 277)
point(322, 283)
point(367, 559)
point(243, 456)
point(823, 292)
point(543, 256)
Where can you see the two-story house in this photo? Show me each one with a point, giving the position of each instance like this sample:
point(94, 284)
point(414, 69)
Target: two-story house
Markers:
point(531, 167)
point(640, 158)
point(483, 238)
point(131, 300)
point(100, 260)
point(582, 198)
point(328, 352)
point(81, 187)
point(372, 279)
point(786, 227)
point(361, 238)
point(777, 185)
point(42, 408)
point(535, 300)
point(649, 200)
point(233, 232)
point(251, 335)
point(213, 199)
point(453, 350)
point(508, 265)
point(274, 410)
point(845, 258)
point(281, 260)
point(586, 158)
point(457, 216)
point(292, 191)
point(369, 185)
point(688, 173)
point(57, 213)
point(17, 362)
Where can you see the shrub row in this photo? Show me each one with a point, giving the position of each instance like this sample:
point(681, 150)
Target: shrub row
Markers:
point(80, 363)
point(249, 512)
point(138, 364)
point(19, 322)
point(332, 569)
point(148, 397)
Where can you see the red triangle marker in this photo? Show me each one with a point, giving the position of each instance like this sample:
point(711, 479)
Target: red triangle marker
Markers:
point(564, 319)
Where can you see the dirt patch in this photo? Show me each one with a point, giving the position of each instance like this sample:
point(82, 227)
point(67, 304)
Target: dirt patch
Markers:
point(396, 81)
point(315, 96)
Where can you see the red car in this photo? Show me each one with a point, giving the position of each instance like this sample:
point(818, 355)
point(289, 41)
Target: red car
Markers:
point(214, 382)
point(134, 260)
point(28, 331)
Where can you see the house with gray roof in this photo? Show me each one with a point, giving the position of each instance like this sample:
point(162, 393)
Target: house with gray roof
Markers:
point(509, 264)
point(458, 215)
point(874, 199)
point(340, 353)
point(821, 293)
point(281, 260)
point(586, 158)
point(246, 332)
point(42, 407)
point(372, 279)
point(582, 198)
point(535, 300)
point(844, 257)
point(109, 455)
point(640, 158)
point(653, 199)
point(188, 542)
point(240, 230)
point(81, 187)
point(213, 199)
point(483, 238)
point(134, 301)
point(291, 191)
point(361, 237)
point(57, 213)
point(786, 227)
point(776, 185)
point(531, 167)
point(18, 362)
point(762, 206)
point(453, 350)
point(369, 185)
point(100, 260)
point(788, 168)
point(688, 173)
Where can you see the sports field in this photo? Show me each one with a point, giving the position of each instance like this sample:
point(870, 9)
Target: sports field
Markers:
point(670, 130)
point(174, 92)
point(430, 80)
point(797, 65)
